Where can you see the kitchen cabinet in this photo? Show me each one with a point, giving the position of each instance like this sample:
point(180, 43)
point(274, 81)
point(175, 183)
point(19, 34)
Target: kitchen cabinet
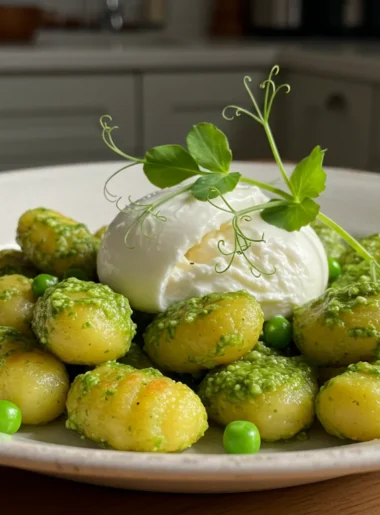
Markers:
point(55, 119)
point(173, 102)
point(332, 113)
point(375, 133)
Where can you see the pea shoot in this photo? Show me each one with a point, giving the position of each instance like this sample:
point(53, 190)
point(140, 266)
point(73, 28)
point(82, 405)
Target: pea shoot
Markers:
point(278, 332)
point(208, 161)
point(42, 282)
point(335, 270)
point(10, 417)
point(241, 437)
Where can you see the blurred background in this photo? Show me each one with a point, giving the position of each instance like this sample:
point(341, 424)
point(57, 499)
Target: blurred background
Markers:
point(159, 66)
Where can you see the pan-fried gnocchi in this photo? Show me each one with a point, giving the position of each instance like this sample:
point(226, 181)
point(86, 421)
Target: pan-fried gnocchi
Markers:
point(55, 243)
point(204, 332)
point(16, 302)
point(341, 327)
point(348, 405)
point(83, 323)
point(274, 392)
point(34, 380)
point(127, 409)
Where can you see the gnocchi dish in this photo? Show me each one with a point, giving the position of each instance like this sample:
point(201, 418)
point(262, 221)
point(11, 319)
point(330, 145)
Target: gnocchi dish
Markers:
point(204, 303)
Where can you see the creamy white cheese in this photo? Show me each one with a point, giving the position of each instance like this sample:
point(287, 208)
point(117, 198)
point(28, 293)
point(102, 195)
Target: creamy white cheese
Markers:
point(178, 260)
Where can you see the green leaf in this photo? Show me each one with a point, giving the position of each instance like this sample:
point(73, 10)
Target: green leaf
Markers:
point(308, 178)
point(212, 185)
point(168, 165)
point(292, 216)
point(209, 147)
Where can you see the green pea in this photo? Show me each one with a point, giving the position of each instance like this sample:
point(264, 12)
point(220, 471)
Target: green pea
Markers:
point(241, 437)
point(42, 282)
point(78, 273)
point(10, 418)
point(278, 332)
point(335, 270)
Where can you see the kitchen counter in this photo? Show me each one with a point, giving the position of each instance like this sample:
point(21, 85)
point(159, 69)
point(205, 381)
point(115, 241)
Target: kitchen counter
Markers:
point(78, 52)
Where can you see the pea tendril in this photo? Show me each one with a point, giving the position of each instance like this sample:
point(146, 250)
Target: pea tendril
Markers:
point(208, 158)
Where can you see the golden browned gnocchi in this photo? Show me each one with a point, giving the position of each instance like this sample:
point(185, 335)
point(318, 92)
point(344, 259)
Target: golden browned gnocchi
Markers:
point(13, 261)
point(55, 243)
point(16, 302)
point(348, 405)
point(83, 323)
point(274, 392)
point(204, 332)
point(135, 410)
point(34, 380)
point(341, 327)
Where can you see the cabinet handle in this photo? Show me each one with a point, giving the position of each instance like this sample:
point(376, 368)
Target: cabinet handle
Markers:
point(336, 102)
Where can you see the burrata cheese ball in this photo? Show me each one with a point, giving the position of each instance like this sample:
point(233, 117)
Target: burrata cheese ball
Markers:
point(16, 302)
point(180, 258)
point(54, 243)
point(34, 380)
point(204, 332)
point(83, 323)
point(348, 405)
point(126, 409)
point(341, 327)
point(274, 392)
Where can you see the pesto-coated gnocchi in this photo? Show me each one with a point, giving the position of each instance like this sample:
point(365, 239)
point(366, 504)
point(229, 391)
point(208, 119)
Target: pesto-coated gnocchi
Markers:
point(16, 302)
point(348, 405)
point(83, 323)
point(204, 332)
point(370, 243)
point(341, 327)
point(274, 392)
point(135, 410)
point(34, 380)
point(55, 243)
point(13, 261)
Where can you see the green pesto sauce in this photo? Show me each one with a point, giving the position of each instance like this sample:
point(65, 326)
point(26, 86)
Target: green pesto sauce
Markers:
point(337, 302)
point(364, 368)
point(9, 335)
point(6, 293)
point(370, 243)
point(331, 241)
point(247, 379)
point(71, 240)
point(188, 312)
point(357, 273)
point(66, 297)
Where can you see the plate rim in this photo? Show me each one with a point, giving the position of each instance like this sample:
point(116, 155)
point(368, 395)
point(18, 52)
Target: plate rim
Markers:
point(342, 460)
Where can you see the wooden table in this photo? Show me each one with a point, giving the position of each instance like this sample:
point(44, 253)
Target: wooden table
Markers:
point(35, 494)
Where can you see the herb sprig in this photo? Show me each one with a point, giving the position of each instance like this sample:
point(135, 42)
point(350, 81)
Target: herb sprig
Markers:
point(208, 160)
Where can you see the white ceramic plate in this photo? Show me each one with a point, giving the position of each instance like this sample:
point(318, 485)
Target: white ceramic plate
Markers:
point(352, 199)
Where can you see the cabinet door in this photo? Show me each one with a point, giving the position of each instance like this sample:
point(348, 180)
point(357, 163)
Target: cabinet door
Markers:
point(55, 120)
point(331, 113)
point(173, 103)
point(375, 135)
